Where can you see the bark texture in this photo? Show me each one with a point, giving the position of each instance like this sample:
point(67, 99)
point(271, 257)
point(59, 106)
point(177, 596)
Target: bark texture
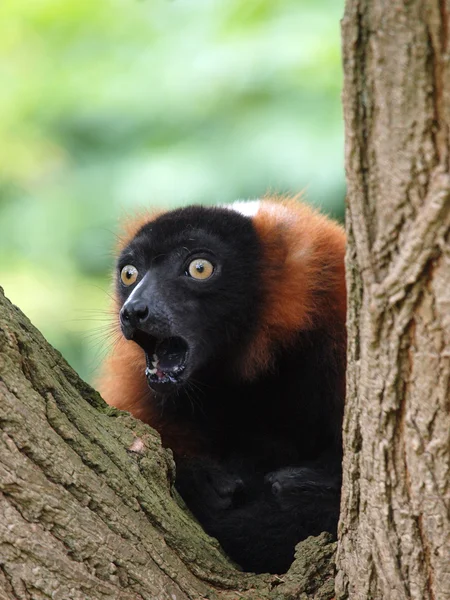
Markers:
point(394, 529)
point(87, 506)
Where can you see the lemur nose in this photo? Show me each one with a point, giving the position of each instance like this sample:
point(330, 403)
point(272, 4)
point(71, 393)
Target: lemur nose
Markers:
point(134, 312)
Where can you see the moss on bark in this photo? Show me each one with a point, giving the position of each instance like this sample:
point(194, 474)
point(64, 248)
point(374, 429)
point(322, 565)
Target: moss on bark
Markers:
point(87, 504)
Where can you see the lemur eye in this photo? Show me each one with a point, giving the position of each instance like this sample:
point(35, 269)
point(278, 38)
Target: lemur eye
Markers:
point(128, 275)
point(200, 268)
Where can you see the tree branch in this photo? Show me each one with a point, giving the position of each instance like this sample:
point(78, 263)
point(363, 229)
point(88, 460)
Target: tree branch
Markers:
point(87, 505)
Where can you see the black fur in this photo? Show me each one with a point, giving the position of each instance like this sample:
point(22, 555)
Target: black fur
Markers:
point(269, 474)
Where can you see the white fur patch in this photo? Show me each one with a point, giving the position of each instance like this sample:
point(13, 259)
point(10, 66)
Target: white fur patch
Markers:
point(248, 208)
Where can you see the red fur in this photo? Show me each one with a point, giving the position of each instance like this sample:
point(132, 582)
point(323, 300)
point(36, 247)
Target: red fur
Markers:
point(297, 243)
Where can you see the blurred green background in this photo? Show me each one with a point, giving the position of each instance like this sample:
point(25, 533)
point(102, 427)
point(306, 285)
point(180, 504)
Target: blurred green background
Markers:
point(110, 105)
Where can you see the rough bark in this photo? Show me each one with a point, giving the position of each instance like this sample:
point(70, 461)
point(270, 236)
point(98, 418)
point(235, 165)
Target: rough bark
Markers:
point(394, 530)
point(87, 506)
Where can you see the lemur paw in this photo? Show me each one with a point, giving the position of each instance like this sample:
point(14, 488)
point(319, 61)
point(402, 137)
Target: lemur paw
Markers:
point(289, 484)
point(203, 482)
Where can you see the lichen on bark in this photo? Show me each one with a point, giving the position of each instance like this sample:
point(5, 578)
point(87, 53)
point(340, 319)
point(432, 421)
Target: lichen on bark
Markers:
point(87, 504)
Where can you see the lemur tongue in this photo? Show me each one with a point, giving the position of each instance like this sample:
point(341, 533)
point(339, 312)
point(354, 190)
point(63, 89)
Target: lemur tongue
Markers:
point(170, 354)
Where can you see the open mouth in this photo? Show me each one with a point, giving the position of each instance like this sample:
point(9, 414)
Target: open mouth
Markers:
point(166, 360)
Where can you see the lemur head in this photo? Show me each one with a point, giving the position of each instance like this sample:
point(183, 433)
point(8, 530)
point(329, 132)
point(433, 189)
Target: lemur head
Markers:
point(210, 291)
point(189, 288)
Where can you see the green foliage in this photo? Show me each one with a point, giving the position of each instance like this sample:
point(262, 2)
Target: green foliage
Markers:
point(110, 105)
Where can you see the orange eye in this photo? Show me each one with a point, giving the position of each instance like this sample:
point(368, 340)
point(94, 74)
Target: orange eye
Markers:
point(128, 275)
point(200, 268)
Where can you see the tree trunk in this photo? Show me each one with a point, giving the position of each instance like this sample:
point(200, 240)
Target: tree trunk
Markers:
point(394, 529)
point(87, 506)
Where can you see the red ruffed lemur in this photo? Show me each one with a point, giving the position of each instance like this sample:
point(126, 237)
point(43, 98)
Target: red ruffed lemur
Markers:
point(234, 319)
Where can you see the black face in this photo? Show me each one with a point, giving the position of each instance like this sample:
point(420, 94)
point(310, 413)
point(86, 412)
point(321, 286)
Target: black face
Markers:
point(190, 287)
